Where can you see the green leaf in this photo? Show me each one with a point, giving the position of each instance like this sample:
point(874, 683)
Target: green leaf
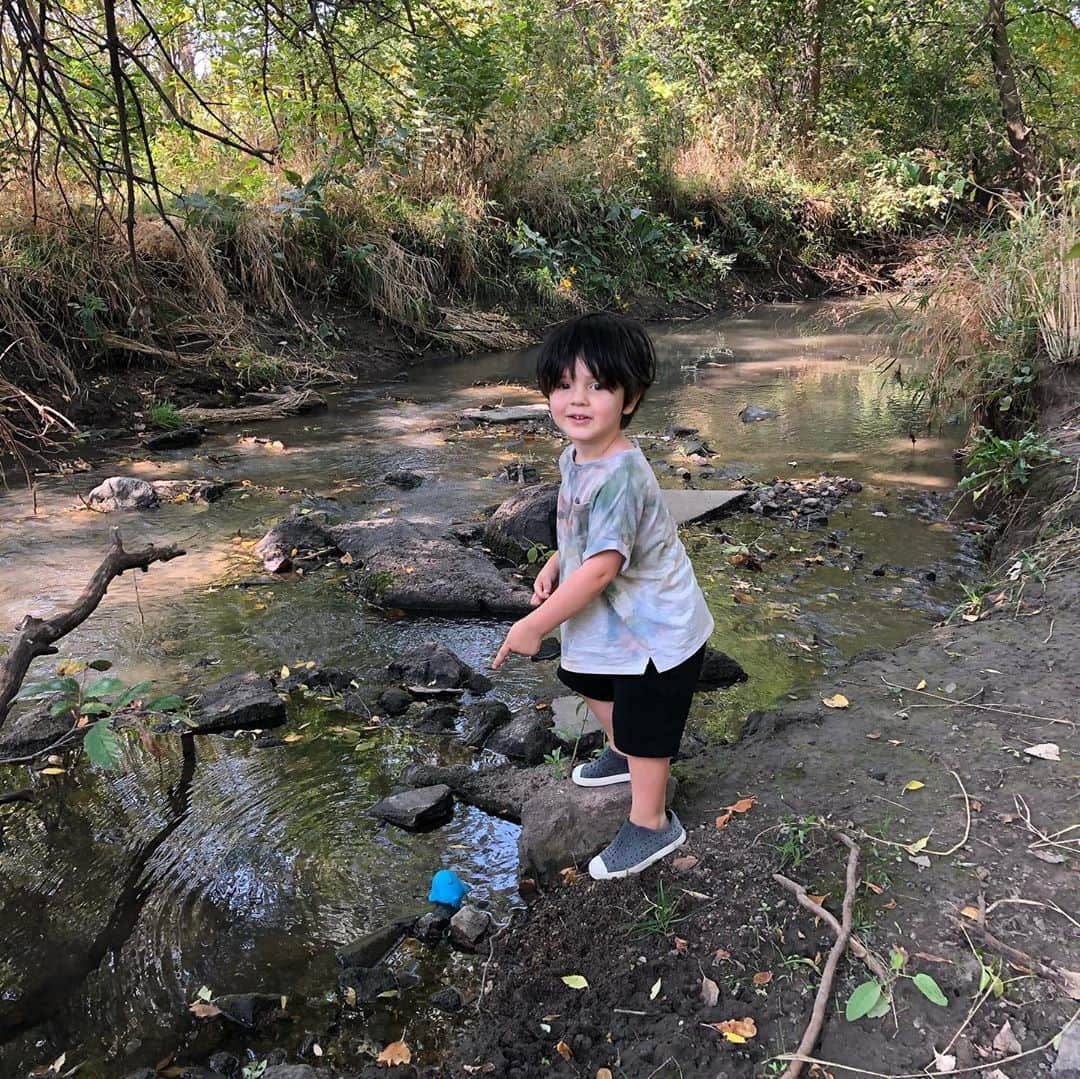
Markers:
point(130, 695)
point(104, 687)
point(862, 1000)
point(94, 708)
point(930, 989)
point(57, 707)
point(575, 981)
point(896, 960)
point(204, 994)
point(169, 703)
point(100, 664)
point(879, 1009)
point(294, 178)
point(1073, 252)
point(102, 746)
point(52, 685)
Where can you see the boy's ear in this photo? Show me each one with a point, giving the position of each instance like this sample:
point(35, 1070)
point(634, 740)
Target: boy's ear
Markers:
point(630, 404)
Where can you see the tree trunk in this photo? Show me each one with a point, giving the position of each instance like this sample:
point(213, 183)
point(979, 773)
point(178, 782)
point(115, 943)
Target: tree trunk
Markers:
point(1012, 108)
point(808, 89)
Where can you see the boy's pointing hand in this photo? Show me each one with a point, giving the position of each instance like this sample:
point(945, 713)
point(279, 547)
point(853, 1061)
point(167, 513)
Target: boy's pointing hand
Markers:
point(522, 640)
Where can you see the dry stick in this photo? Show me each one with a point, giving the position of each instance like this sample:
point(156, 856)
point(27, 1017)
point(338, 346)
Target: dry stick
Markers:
point(36, 636)
point(925, 850)
point(980, 707)
point(843, 935)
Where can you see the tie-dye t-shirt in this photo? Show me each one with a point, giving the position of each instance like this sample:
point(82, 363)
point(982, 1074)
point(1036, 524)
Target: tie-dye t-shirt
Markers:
point(653, 609)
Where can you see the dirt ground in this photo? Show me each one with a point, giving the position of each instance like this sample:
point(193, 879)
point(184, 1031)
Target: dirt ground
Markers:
point(962, 833)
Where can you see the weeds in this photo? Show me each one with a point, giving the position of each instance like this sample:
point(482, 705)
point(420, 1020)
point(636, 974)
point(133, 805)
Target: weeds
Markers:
point(795, 841)
point(1005, 465)
point(165, 415)
point(660, 914)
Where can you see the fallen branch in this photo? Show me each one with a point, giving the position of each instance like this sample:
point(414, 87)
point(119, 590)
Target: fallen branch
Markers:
point(37, 636)
point(287, 405)
point(980, 707)
point(843, 936)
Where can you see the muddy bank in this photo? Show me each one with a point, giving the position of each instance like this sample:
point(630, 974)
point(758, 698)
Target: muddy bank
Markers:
point(953, 766)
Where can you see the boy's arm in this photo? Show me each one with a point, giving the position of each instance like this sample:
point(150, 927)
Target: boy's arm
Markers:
point(573, 595)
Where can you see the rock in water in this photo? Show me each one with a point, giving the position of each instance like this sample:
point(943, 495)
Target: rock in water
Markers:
point(522, 521)
point(719, 671)
point(447, 999)
point(508, 414)
point(469, 927)
point(250, 1010)
point(482, 720)
point(755, 413)
point(404, 479)
point(527, 738)
point(295, 539)
point(242, 701)
point(424, 807)
point(433, 664)
point(123, 493)
point(174, 440)
point(33, 731)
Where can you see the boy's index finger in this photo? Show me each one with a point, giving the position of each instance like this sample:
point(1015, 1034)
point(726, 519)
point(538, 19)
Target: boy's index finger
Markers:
point(496, 663)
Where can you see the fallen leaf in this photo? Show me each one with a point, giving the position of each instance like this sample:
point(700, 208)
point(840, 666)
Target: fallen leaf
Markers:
point(1005, 1040)
point(721, 955)
point(736, 1030)
point(201, 1009)
point(654, 992)
point(922, 684)
point(913, 785)
point(763, 977)
point(284, 672)
point(395, 1053)
point(317, 1049)
point(710, 992)
point(875, 888)
point(687, 861)
point(51, 772)
point(722, 821)
point(293, 738)
point(1045, 751)
point(681, 945)
point(918, 845)
point(874, 736)
point(346, 559)
point(970, 912)
point(837, 700)
point(944, 1062)
point(575, 981)
point(569, 874)
point(1048, 856)
point(564, 1050)
point(890, 905)
point(742, 598)
point(743, 805)
point(1070, 982)
point(921, 861)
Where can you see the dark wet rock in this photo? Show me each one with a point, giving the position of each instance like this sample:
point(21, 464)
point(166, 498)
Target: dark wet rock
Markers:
point(372, 948)
point(322, 507)
point(417, 809)
point(755, 413)
point(719, 670)
point(550, 648)
point(526, 738)
point(436, 693)
point(238, 702)
point(294, 541)
point(250, 1010)
point(680, 430)
point(175, 439)
point(198, 490)
point(482, 720)
point(404, 479)
point(32, 732)
point(123, 493)
point(197, 1071)
point(501, 790)
point(467, 532)
point(269, 741)
point(227, 1064)
point(697, 448)
point(562, 824)
point(327, 679)
point(367, 982)
point(520, 473)
point(414, 566)
point(433, 664)
point(436, 718)
point(395, 701)
point(447, 999)
point(291, 1071)
point(469, 927)
point(507, 414)
point(522, 521)
point(431, 927)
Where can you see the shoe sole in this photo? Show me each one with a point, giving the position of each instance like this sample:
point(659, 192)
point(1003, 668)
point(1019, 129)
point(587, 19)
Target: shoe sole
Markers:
point(598, 871)
point(603, 781)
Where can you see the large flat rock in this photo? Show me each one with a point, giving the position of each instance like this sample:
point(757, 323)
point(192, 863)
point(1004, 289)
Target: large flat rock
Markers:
point(241, 701)
point(506, 414)
point(689, 507)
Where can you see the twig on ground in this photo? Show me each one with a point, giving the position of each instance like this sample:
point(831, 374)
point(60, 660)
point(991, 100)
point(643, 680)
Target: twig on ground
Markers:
point(843, 936)
point(980, 707)
point(926, 850)
point(1031, 903)
point(1052, 839)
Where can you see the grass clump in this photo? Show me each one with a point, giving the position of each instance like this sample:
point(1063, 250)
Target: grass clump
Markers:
point(165, 415)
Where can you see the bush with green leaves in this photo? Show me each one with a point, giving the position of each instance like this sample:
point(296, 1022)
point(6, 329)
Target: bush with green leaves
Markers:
point(1005, 465)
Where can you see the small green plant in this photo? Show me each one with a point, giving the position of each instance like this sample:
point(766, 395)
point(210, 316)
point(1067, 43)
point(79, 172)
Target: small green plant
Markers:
point(92, 705)
point(1004, 465)
point(165, 415)
point(538, 553)
point(873, 998)
point(554, 760)
point(795, 841)
point(660, 914)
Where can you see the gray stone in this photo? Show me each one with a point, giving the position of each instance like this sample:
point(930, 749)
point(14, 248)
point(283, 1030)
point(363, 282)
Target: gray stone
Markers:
point(372, 948)
point(500, 790)
point(482, 720)
point(1067, 1063)
point(328, 679)
point(688, 507)
point(123, 493)
point(413, 566)
point(563, 824)
point(719, 671)
point(433, 664)
point(174, 440)
point(33, 731)
point(423, 807)
point(681, 430)
point(250, 1010)
point(192, 490)
point(294, 540)
point(574, 725)
point(431, 927)
point(447, 999)
point(508, 414)
point(290, 1071)
point(522, 521)
point(404, 479)
point(526, 738)
point(227, 1064)
point(436, 718)
point(395, 701)
point(238, 702)
point(755, 413)
point(469, 927)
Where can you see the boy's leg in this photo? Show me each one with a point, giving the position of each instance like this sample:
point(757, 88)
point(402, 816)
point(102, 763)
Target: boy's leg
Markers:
point(603, 710)
point(648, 791)
point(611, 766)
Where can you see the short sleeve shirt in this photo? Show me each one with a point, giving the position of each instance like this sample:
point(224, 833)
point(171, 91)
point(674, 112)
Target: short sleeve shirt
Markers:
point(654, 608)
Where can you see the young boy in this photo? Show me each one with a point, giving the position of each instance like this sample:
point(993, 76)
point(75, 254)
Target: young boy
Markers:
point(634, 621)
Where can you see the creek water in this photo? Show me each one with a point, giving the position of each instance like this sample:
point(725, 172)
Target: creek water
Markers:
point(209, 862)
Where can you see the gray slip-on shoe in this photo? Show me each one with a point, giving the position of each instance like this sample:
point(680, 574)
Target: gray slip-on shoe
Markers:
point(635, 848)
point(609, 767)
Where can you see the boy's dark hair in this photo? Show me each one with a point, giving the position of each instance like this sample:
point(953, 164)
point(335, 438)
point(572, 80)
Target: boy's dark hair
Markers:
point(616, 350)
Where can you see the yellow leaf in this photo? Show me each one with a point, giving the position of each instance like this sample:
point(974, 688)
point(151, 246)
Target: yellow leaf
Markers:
point(70, 666)
point(837, 700)
point(575, 981)
point(733, 1037)
point(736, 1030)
point(395, 1053)
point(970, 912)
point(922, 684)
point(294, 738)
point(51, 772)
point(914, 785)
point(284, 672)
point(743, 598)
point(918, 845)
point(763, 977)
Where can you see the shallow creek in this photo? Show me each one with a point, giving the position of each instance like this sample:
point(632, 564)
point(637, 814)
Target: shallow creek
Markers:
point(218, 864)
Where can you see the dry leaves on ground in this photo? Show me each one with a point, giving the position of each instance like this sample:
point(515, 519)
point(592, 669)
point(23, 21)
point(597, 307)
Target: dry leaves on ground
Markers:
point(394, 1054)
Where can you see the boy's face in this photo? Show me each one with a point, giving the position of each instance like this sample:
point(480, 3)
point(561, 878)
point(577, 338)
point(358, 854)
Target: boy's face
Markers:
point(587, 413)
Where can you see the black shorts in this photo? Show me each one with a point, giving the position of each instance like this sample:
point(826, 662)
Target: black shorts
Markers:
point(650, 708)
